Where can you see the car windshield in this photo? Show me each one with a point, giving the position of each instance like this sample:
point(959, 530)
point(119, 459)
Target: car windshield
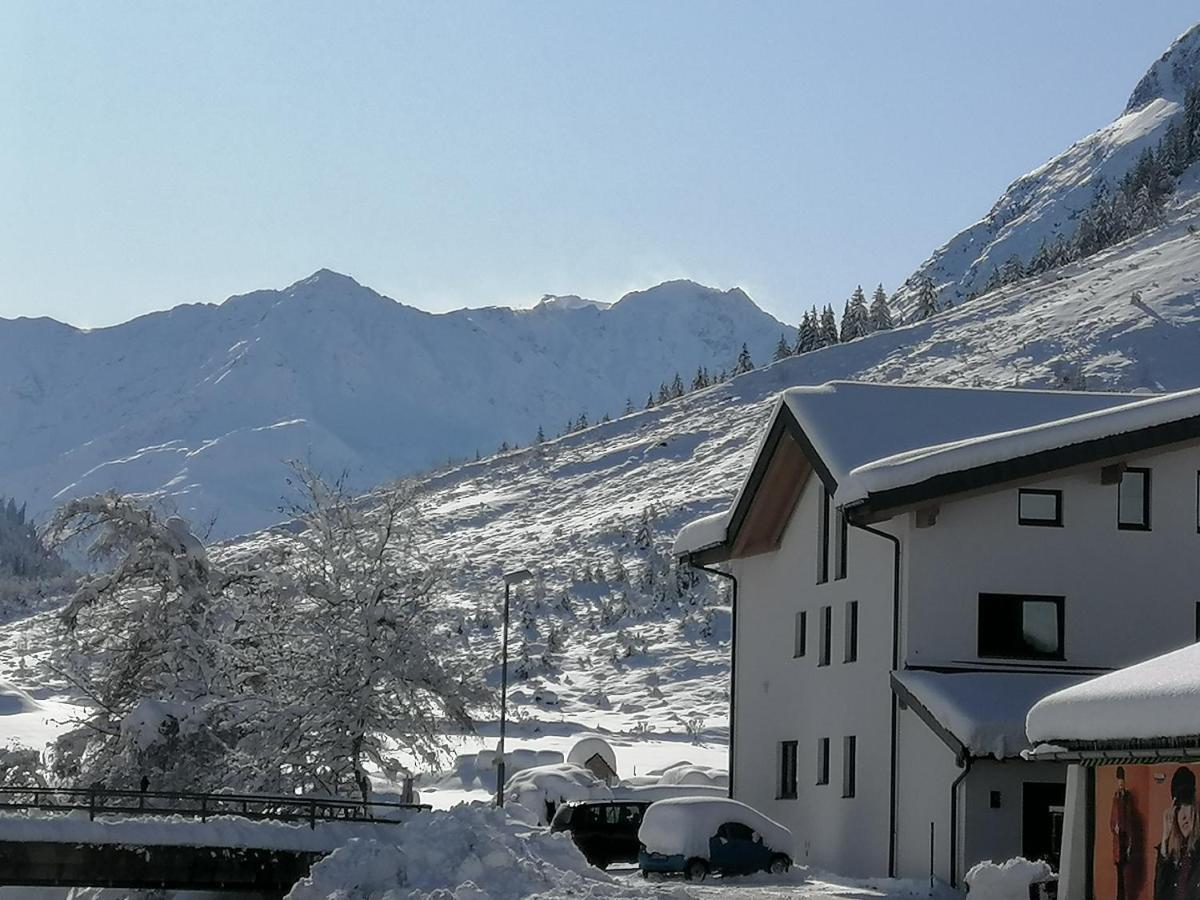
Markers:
point(563, 816)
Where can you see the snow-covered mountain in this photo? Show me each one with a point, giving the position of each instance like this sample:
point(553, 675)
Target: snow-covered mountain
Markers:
point(202, 402)
point(1046, 203)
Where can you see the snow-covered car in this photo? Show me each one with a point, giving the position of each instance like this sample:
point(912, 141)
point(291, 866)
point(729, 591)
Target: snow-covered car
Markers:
point(694, 836)
point(605, 831)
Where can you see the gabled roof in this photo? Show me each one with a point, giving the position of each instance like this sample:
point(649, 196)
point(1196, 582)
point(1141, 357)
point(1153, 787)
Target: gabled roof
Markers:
point(1154, 701)
point(879, 447)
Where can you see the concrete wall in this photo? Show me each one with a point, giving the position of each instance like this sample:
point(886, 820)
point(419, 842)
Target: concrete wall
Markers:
point(926, 770)
point(784, 698)
point(1112, 579)
point(996, 834)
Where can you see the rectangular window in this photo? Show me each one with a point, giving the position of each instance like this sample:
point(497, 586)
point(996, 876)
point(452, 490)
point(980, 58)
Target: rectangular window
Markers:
point(823, 538)
point(839, 568)
point(1198, 623)
point(1198, 502)
point(851, 653)
point(849, 750)
point(800, 638)
point(822, 760)
point(1133, 500)
point(1017, 626)
point(787, 770)
point(1036, 507)
point(826, 635)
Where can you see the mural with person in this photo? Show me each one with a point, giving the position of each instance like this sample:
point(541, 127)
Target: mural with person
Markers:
point(1147, 843)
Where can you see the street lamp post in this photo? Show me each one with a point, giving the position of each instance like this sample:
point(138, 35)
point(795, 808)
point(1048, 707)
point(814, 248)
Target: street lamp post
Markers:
point(510, 578)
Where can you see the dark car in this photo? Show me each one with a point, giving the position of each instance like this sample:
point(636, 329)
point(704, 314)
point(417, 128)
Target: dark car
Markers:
point(605, 831)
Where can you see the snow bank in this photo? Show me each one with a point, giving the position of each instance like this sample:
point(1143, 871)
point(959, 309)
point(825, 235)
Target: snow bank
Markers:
point(1158, 698)
point(1007, 881)
point(469, 853)
point(648, 793)
point(531, 795)
point(684, 826)
point(690, 774)
point(14, 701)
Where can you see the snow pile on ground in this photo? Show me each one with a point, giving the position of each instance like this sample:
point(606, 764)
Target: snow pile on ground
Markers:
point(470, 853)
point(532, 795)
point(1009, 880)
point(686, 773)
point(685, 825)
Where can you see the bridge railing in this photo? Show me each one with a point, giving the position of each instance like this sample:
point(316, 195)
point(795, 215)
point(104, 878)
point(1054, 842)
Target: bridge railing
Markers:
point(259, 807)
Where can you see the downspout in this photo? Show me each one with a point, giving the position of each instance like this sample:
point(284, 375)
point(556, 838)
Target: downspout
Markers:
point(893, 764)
point(966, 764)
point(732, 652)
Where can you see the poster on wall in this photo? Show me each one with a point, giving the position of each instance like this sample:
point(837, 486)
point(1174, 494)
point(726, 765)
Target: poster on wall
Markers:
point(1147, 844)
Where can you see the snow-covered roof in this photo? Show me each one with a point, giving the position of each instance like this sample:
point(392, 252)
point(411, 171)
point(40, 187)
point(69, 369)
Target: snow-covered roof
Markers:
point(852, 426)
point(1158, 698)
point(983, 711)
point(920, 464)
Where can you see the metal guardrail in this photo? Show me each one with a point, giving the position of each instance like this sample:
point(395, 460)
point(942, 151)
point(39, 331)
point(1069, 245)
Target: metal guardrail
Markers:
point(258, 807)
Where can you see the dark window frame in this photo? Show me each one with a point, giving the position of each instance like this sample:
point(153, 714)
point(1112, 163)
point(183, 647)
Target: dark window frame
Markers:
point(1198, 502)
point(825, 647)
point(850, 652)
point(1008, 653)
point(849, 766)
point(823, 538)
point(843, 546)
point(1198, 621)
point(800, 634)
point(1144, 525)
point(823, 760)
point(1056, 522)
point(789, 782)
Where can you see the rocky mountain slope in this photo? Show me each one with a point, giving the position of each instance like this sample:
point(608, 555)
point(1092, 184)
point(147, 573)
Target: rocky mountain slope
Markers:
point(1046, 203)
point(201, 403)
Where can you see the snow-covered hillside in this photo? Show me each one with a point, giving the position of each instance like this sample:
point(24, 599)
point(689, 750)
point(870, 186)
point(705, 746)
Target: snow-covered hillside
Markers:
point(203, 402)
point(1046, 202)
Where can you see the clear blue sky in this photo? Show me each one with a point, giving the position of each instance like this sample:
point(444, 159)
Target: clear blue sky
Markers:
point(453, 154)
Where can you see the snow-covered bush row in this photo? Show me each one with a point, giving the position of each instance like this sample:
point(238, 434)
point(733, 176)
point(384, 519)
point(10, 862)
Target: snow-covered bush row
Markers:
point(469, 853)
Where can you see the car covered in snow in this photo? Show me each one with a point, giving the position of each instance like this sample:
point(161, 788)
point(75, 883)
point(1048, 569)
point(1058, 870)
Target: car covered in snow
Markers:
point(605, 831)
point(694, 836)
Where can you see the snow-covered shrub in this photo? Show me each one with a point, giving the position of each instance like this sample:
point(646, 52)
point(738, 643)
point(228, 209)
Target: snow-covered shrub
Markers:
point(532, 795)
point(1009, 880)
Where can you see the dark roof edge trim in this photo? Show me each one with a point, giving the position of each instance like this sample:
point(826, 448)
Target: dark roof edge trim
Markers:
point(910, 700)
point(1022, 467)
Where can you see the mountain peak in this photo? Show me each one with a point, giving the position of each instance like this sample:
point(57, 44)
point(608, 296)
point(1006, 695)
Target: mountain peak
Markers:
point(569, 301)
point(326, 278)
point(1172, 74)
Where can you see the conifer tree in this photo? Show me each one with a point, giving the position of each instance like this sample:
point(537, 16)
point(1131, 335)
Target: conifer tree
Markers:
point(700, 380)
point(880, 312)
point(783, 349)
point(677, 386)
point(856, 321)
point(806, 334)
point(744, 362)
point(628, 405)
point(828, 329)
point(927, 304)
point(650, 401)
point(1013, 270)
point(541, 435)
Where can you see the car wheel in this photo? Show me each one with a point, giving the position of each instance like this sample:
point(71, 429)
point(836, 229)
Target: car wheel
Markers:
point(779, 865)
point(695, 870)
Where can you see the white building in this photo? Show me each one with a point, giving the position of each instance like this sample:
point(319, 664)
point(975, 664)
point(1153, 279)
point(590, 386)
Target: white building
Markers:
point(915, 567)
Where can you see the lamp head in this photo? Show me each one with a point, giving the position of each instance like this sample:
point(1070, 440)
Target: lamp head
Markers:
point(516, 576)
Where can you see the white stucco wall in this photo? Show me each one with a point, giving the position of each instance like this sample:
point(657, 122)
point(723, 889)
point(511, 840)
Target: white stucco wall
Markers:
point(996, 834)
point(926, 768)
point(784, 698)
point(1113, 580)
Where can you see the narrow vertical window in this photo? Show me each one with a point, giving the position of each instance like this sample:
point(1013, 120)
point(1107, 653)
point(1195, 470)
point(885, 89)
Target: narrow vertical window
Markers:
point(823, 538)
point(1133, 500)
point(800, 637)
point(787, 770)
point(826, 635)
point(851, 653)
point(822, 760)
point(1198, 623)
point(839, 569)
point(1198, 502)
point(849, 750)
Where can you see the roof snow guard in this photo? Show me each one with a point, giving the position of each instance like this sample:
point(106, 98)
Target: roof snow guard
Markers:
point(884, 448)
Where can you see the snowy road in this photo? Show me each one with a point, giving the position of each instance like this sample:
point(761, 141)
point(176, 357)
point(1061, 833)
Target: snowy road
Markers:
point(796, 884)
